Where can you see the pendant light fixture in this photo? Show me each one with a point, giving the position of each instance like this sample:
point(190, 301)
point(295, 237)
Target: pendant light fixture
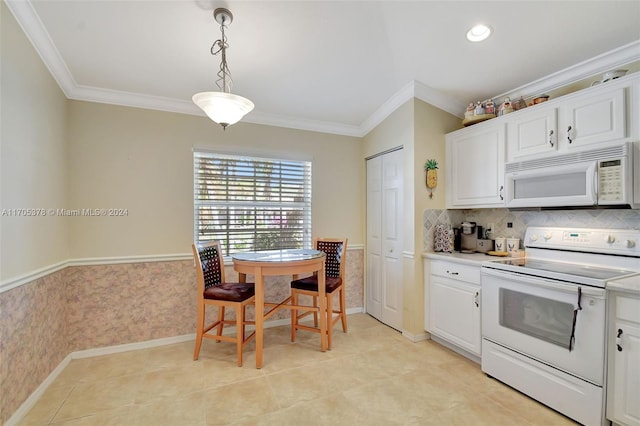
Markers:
point(223, 107)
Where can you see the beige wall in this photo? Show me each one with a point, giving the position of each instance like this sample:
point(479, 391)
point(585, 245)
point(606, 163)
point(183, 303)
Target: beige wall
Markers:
point(420, 128)
point(430, 126)
point(395, 130)
point(141, 160)
point(33, 173)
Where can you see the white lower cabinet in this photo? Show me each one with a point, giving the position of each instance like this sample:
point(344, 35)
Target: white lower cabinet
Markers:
point(454, 308)
point(623, 382)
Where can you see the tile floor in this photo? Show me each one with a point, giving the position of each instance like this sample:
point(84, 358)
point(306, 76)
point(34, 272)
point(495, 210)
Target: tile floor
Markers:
point(372, 376)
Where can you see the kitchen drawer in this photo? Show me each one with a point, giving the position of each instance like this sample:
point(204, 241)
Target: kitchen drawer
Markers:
point(628, 309)
point(457, 271)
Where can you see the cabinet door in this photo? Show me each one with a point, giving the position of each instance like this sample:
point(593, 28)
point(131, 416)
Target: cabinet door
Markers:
point(623, 399)
point(532, 132)
point(475, 167)
point(594, 118)
point(455, 312)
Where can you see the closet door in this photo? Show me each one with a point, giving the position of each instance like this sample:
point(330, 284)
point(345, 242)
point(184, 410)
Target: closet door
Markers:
point(384, 238)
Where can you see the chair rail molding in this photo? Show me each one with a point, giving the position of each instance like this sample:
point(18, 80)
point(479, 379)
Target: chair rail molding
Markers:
point(14, 282)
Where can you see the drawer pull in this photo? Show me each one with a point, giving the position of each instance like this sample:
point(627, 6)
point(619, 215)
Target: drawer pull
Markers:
point(451, 273)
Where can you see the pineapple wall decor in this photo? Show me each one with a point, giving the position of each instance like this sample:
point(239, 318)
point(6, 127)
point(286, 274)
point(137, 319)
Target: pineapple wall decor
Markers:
point(431, 167)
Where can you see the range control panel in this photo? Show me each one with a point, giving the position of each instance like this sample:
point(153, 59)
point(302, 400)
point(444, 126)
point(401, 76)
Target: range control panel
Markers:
point(608, 241)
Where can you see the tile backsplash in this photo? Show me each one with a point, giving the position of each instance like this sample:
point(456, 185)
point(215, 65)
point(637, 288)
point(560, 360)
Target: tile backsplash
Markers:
point(521, 220)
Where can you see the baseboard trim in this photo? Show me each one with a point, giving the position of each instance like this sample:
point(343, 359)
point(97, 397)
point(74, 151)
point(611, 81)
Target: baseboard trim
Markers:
point(108, 350)
point(415, 337)
point(473, 357)
point(36, 394)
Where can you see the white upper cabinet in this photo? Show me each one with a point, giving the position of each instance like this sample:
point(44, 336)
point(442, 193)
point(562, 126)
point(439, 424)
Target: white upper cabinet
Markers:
point(475, 166)
point(533, 132)
point(603, 115)
point(595, 118)
point(598, 116)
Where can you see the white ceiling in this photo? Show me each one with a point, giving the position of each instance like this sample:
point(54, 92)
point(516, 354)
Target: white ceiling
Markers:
point(337, 66)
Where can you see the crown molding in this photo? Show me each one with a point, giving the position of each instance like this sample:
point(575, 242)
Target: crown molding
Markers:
point(439, 99)
point(32, 26)
point(258, 117)
point(393, 103)
point(621, 56)
point(136, 100)
point(413, 89)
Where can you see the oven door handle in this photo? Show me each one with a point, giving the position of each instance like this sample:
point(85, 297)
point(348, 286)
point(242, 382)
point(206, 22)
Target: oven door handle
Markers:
point(572, 339)
point(542, 282)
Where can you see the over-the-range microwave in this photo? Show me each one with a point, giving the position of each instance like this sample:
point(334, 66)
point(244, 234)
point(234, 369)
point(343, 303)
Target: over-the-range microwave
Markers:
point(596, 178)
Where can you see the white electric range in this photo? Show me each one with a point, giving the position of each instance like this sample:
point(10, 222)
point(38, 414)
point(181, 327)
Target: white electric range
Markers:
point(544, 315)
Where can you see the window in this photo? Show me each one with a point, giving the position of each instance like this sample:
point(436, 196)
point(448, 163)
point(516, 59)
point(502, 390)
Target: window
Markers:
point(251, 203)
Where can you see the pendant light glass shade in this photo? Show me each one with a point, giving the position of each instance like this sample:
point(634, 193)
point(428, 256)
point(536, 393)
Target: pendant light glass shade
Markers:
point(223, 108)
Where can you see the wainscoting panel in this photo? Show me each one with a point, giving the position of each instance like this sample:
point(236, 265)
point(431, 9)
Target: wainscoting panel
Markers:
point(93, 306)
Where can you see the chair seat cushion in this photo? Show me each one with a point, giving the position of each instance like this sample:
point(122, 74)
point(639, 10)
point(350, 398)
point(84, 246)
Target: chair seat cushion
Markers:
point(232, 292)
point(311, 283)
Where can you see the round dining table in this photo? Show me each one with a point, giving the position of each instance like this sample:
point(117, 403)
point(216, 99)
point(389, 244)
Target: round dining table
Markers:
point(292, 262)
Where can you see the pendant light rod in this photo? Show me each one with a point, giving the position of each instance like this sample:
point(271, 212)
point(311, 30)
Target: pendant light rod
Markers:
point(223, 17)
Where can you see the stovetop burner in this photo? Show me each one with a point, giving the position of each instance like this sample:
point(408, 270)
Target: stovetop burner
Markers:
point(581, 256)
point(542, 267)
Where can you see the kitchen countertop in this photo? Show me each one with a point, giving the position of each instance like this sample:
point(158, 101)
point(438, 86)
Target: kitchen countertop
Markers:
point(628, 285)
point(475, 259)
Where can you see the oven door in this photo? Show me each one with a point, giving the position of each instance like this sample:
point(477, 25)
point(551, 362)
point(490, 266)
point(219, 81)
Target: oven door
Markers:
point(560, 324)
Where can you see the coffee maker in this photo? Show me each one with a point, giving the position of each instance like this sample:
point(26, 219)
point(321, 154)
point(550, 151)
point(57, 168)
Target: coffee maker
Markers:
point(468, 237)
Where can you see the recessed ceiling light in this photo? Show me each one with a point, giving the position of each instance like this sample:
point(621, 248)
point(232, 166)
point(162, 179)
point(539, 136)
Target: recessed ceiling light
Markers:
point(479, 32)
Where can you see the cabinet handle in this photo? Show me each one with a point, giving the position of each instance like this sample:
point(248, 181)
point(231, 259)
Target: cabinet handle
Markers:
point(475, 299)
point(451, 273)
point(569, 134)
point(619, 340)
point(550, 137)
point(500, 192)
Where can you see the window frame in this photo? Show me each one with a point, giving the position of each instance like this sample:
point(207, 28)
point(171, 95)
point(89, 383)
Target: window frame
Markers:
point(296, 173)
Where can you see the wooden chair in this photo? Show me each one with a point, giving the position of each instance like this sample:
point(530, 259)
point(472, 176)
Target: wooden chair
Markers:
point(213, 290)
point(336, 252)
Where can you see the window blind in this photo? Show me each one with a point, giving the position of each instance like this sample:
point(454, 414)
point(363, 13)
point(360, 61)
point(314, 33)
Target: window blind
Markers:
point(251, 203)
